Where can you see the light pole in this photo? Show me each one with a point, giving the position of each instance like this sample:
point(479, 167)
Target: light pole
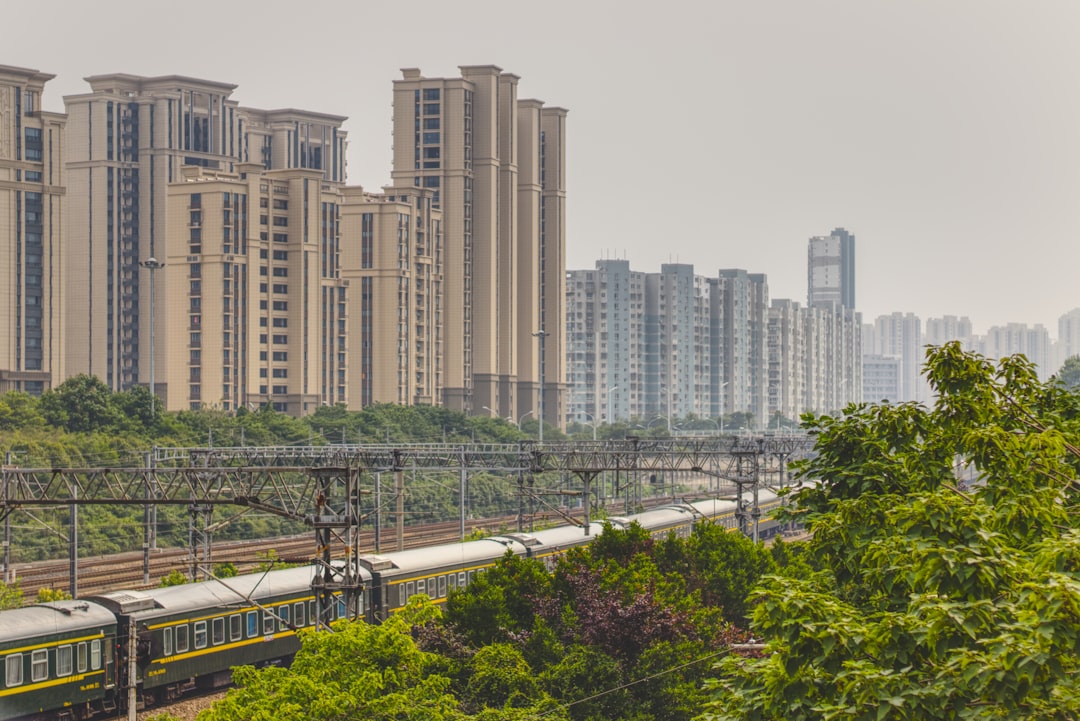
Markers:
point(667, 392)
point(593, 424)
point(152, 264)
point(722, 387)
point(523, 416)
point(541, 334)
point(490, 411)
point(610, 417)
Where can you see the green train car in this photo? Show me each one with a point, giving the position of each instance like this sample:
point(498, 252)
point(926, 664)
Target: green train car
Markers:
point(57, 660)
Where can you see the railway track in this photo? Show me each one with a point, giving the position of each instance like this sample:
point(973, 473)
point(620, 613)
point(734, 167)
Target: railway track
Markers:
point(97, 574)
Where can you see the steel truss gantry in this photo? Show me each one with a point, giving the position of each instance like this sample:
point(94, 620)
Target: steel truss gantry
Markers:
point(325, 487)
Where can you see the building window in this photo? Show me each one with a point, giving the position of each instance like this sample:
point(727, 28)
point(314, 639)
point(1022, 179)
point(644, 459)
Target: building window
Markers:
point(39, 665)
point(63, 661)
point(13, 671)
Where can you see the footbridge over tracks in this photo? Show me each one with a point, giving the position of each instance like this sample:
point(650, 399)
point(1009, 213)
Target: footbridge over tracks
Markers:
point(336, 489)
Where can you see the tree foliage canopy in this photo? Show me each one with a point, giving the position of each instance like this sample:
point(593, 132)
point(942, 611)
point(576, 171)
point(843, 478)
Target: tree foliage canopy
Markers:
point(949, 555)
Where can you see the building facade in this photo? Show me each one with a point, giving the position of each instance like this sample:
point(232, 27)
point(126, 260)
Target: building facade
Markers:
point(33, 265)
point(129, 139)
point(496, 166)
point(392, 263)
point(831, 269)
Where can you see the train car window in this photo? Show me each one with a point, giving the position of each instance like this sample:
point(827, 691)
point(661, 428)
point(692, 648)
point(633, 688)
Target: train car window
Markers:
point(452, 581)
point(39, 665)
point(298, 614)
point(181, 638)
point(95, 655)
point(269, 622)
point(283, 617)
point(311, 612)
point(252, 624)
point(63, 661)
point(421, 586)
point(442, 586)
point(200, 634)
point(236, 627)
point(13, 670)
point(341, 607)
point(462, 579)
point(80, 655)
point(403, 595)
point(166, 645)
point(218, 631)
point(411, 590)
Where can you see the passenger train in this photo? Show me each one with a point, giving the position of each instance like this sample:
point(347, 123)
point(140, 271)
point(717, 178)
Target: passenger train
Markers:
point(68, 660)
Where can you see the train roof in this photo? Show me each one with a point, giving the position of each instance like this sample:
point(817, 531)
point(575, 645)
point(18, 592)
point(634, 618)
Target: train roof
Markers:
point(560, 536)
point(55, 617)
point(663, 517)
point(208, 594)
point(447, 554)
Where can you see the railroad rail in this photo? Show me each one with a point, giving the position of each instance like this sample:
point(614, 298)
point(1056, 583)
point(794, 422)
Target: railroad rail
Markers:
point(336, 489)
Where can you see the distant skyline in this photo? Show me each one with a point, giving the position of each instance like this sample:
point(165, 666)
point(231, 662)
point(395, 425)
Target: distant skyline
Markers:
point(943, 135)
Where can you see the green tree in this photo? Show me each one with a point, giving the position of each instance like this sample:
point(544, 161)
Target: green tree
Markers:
point(81, 404)
point(934, 599)
point(1069, 375)
point(11, 596)
point(45, 595)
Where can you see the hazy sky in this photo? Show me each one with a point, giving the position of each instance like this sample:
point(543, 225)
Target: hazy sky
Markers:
point(942, 133)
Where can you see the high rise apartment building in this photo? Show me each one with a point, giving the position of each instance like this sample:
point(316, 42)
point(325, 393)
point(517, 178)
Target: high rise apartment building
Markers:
point(605, 337)
point(743, 345)
point(900, 335)
point(33, 265)
point(255, 307)
point(787, 351)
point(939, 331)
point(392, 262)
point(1068, 337)
point(670, 319)
point(496, 165)
point(831, 269)
point(128, 140)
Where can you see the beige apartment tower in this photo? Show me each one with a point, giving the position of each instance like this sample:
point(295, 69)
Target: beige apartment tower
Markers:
point(255, 309)
point(32, 224)
point(495, 165)
point(392, 262)
point(129, 140)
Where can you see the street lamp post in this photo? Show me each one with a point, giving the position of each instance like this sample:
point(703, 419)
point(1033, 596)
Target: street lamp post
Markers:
point(610, 417)
point(593, 424)
point(523, 416)
point(722, 387)
point(491, 411)
point(541, 334)
point(152, 264)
